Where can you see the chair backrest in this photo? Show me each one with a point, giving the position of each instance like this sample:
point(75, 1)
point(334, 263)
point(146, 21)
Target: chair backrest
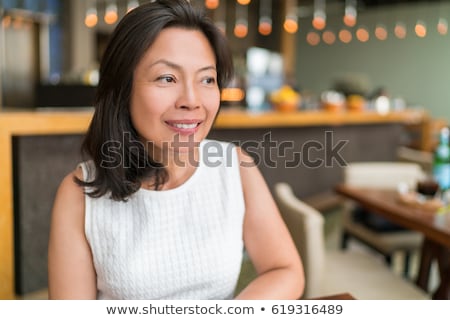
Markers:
point(386, 175)
point(306, 227)
point(422, 158)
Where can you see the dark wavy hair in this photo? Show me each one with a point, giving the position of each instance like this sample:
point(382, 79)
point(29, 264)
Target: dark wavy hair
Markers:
point(122, 164)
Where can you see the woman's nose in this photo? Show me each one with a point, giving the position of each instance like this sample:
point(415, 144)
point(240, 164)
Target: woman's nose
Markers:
point(189, 98)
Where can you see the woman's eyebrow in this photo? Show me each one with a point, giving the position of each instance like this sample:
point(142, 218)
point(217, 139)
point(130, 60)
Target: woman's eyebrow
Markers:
point(178, 67)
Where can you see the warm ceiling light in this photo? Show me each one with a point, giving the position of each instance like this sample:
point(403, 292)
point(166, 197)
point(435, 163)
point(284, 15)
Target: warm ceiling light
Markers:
point(345, 36)
point(381, 32)
point(91, 18)
point(442, 26)
point(349, 20)
point(111, 15)
point(420, 29)
point(265, 20)
point(319, 15)
point(313, 38)
point(243, 2)
point(290, 25)
point(265, 26)
point(350, 16)
point(350, 13)
point(328, 37)
point(400, 30)
point(240, 29)
point(212, 4)
point(319, 22)
point(362, 34)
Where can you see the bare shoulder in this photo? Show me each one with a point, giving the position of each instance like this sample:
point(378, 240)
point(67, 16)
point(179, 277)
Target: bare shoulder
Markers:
point(69, 187)
point(70, 196)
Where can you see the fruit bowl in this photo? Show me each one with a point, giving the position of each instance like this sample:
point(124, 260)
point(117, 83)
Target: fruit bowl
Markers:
point(285, 106)
point(285, 99)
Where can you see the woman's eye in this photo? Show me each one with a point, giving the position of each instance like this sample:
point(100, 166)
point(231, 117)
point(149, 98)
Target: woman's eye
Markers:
point(166, 79)
point(209, 80)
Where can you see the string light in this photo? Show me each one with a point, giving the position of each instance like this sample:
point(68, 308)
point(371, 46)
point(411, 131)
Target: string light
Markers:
point(362, 34)
point(400, 30)
point(290, 24)
point(91, 18)
point(111, 15)
point(212, 4)
point(329, 37)
point(241, 25)
point(265, 20)
point(345, 36)
point(442, 26)
point(241, 29)
point(381, 32)
point(313, 38)
point(265, 26)
point(350, 13)
point(319, 21)
point(420, 29)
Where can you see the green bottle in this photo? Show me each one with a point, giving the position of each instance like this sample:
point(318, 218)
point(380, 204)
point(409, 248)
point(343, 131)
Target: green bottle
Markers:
point(441, 161)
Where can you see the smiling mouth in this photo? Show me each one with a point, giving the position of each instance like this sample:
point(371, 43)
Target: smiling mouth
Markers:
point(185, 125)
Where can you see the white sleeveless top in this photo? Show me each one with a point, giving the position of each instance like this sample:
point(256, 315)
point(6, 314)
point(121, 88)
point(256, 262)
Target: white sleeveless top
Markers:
point(183, 243)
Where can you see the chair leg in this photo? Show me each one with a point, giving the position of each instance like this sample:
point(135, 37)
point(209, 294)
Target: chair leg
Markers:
point(344, 240)
point(406, 264)
point(388, 260)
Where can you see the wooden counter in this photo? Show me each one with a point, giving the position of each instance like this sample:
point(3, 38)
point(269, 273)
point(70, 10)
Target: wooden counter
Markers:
point(231, 119)
point(29, 123)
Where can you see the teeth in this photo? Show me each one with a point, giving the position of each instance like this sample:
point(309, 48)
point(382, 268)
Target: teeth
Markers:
point(185, 125)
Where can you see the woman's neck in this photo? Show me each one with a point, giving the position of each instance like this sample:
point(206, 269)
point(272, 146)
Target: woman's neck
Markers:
point(180, 167)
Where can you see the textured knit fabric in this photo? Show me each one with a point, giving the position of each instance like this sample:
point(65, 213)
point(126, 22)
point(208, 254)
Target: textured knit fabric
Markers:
point(183, 243)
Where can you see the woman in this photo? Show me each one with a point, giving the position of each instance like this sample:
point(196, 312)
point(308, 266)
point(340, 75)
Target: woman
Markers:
point(159, 212)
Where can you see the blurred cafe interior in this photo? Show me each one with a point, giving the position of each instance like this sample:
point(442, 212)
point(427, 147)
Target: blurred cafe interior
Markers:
point(366, 80)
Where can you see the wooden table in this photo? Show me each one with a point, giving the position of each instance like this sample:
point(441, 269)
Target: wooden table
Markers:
point(435, 228)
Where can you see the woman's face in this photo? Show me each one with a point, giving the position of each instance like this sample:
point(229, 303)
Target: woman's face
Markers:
point(175, 95)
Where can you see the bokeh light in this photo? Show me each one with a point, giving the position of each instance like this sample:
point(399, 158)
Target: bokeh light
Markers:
point(290, 25)
point(329, 37)
point(362, 34)
point(265, 26)
point(345, 36)
point(381, 32)
point(442, 26)
point(91, 18)
point(241, 29)
point(212, 4)
point(420, 29)
point(313, 38)
point(400, 30)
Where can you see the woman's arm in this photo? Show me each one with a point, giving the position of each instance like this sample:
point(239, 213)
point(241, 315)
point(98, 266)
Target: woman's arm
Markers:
point(71, 272)
point(267, 241)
